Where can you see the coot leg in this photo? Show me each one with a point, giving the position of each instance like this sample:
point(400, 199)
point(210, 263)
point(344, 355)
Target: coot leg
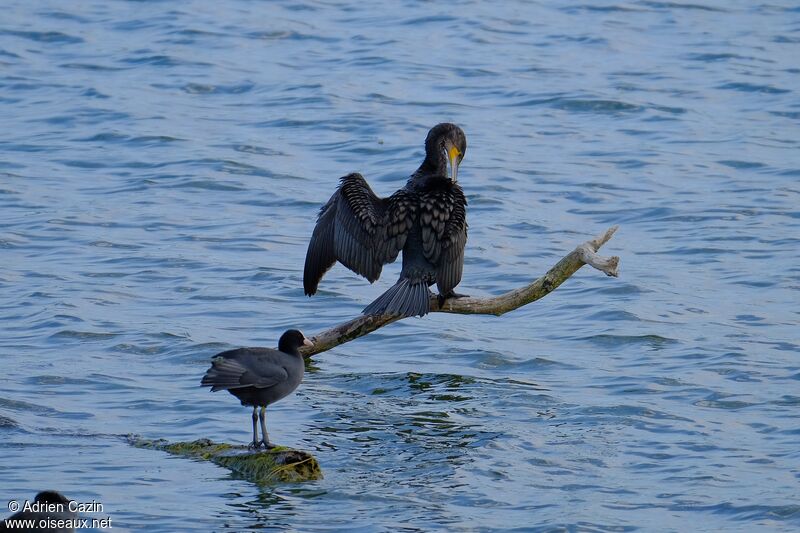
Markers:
point(263, 416)
point(255, 444)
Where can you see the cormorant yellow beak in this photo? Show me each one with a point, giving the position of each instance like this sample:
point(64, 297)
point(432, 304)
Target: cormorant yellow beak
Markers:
point(453, 154)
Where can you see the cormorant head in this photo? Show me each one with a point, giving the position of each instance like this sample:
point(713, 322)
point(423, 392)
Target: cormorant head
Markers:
point(446, 142)
point(291, 340)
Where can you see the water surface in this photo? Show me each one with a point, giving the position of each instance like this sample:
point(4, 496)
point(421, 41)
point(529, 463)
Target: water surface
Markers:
point(162, 166)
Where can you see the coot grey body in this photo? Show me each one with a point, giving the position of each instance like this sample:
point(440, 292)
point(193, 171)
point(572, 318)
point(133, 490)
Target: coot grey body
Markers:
point(259, 376)
point(55, 508)
point(426, 219)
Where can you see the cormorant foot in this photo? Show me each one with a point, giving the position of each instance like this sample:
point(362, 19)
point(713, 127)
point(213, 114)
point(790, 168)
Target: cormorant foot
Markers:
point(254, 445)
point(451, 294)
point(268, 445)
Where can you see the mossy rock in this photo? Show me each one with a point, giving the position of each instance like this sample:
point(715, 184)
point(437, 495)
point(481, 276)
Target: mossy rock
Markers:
point(280, 464)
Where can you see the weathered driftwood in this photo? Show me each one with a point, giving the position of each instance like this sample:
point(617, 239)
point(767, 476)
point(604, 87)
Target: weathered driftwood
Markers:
point(585, 254)
point(279, 464)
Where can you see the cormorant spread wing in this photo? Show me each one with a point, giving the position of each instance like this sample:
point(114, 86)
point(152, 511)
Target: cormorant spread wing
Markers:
point(359, 229)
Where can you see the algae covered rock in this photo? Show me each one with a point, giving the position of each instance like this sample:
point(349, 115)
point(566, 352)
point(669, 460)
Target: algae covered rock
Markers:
point(280, 464)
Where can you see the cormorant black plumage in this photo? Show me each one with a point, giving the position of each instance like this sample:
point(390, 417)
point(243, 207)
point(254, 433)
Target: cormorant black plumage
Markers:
point(426, 219)
point(259, 376)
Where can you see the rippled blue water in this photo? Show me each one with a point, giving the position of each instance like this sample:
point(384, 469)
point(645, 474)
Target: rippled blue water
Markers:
point(162, 165)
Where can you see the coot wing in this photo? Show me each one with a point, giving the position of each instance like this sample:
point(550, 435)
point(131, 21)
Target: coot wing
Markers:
point(243, 368)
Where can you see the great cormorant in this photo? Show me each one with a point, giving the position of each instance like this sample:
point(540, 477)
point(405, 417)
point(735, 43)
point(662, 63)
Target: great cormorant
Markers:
point(426, 219)
point(259, 376)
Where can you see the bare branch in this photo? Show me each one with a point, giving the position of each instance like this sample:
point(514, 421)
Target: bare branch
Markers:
point(584, 254)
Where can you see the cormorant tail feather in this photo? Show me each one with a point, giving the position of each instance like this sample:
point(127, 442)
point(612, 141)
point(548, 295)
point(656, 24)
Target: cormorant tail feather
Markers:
point(404, 298)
